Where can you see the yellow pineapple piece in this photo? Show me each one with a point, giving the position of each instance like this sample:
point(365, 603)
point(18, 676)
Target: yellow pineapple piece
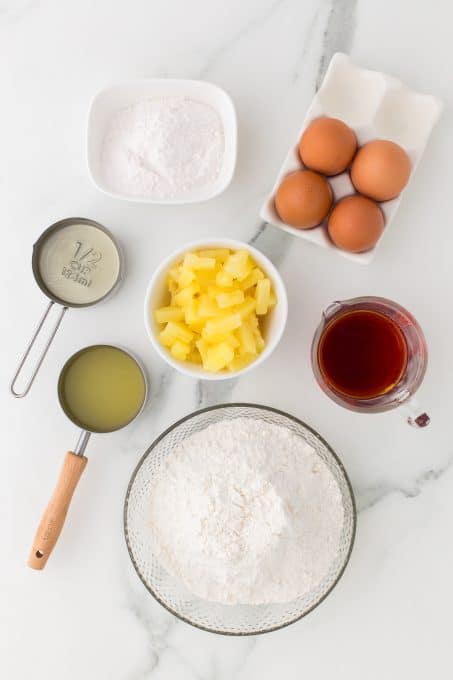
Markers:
point(213, 291)
point(223, 279)
point(194, 357)
point(215, 327)
point(206, 278)
point(166, 339)
point(239, 265)
point(193, 261)
point(253, 321)
point(186, 277)
point(218, 357)
point(177, 331)
point(263, 293)
point(173, 274)
point(272, 299)
point(185, 296)
point(191, 316)
point(240, 362)
point(208, 308)
point(252, 279)
point(247, 307)
point(180, 350)
point(172, 288)
point(259, 339)
point(229, 338)
point(247, 338)
point(202, 347)
point(220, 254)
point(225, 300)
point(165, 314)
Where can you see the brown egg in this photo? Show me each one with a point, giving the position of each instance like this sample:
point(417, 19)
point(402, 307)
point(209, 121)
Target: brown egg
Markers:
point(380, 170)
point(328, 145)
point(355, 224)
point(303, 199)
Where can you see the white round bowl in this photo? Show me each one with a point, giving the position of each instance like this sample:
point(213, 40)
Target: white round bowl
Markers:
point(157, 295)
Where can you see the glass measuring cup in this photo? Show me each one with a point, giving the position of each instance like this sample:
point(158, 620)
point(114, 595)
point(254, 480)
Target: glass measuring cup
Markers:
point(77, 263)
point(91, 392)
point(413, 371)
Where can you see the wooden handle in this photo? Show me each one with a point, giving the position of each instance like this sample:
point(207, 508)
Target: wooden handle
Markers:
point(55, 514)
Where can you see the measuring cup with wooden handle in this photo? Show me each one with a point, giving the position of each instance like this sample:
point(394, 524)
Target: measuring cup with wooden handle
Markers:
point(101, 388)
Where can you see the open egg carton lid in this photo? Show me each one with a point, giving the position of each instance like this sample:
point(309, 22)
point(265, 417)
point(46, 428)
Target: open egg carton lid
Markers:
point(376, 106)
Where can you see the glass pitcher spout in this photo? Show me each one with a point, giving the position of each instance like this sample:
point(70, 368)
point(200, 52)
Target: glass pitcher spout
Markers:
point(332, 309)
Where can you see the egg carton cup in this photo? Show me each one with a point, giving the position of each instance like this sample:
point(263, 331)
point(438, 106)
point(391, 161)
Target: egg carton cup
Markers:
point(376, 106)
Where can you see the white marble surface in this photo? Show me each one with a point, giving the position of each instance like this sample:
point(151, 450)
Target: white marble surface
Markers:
point(87, 615)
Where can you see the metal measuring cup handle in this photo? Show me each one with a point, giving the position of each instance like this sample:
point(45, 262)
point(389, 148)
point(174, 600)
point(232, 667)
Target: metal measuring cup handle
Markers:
point(29, 383)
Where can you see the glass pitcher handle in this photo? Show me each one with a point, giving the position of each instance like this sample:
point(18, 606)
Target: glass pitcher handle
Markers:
point(415, 415)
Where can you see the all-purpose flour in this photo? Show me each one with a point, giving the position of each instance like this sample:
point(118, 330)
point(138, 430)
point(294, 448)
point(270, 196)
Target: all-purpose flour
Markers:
point(246, 512)
point(161, 148)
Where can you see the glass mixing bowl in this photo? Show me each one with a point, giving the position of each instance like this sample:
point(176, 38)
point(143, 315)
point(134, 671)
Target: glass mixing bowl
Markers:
point(169, 591)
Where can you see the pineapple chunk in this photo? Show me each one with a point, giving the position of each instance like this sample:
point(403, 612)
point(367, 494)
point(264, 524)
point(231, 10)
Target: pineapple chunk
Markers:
point(213, 291)
point(194, 357)
point(186, 295)
point(208, 308)
point(229, 338)
point(247, 338)
point(259, 339)
point(224, 300)
point(218, 357)
point(166, 339)
point(239, 265)
point(220, 254)
point(252, 279)
point(246, 308)
point(193, 261)
point(165, 314)
point(180, 350)
point(173, 274)
point(240, 362)
point(177, 331)
point(172, 288)
point(186, 277)
point(222, 325)
point(202, 347)
point(263, 293)
point(223, 279)
point(206, 278)
point(191, 316)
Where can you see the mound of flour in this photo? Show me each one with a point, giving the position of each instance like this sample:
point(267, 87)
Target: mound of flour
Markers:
point(246, 512)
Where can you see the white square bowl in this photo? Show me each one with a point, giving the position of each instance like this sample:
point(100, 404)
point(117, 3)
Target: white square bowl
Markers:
point(110, 100)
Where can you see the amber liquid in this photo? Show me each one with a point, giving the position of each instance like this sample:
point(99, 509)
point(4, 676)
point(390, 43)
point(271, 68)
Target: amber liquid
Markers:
point(362, 354)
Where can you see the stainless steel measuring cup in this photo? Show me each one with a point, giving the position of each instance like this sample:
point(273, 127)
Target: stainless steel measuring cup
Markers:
point(75, 461)
point(81, 263)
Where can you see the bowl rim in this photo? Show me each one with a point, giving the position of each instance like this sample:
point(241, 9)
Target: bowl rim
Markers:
point(261, 407)
point(137, 82)
point(270, 268)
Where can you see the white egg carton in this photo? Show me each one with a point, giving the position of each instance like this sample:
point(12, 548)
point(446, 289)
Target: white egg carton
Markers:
point(376, 106)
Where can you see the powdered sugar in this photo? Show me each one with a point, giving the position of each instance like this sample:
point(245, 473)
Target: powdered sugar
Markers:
point(162, 148)
point(246, 512)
